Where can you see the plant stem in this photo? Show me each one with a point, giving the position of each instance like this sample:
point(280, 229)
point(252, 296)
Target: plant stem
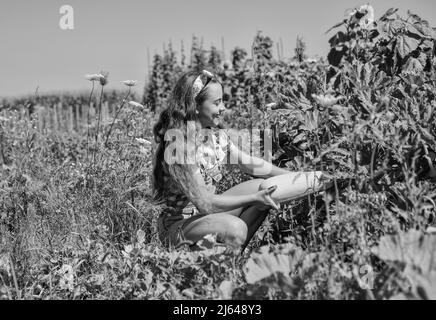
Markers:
point(115, 118)
point(87, 130)
point(14, 277)
point(3, 159)
point(98, 124)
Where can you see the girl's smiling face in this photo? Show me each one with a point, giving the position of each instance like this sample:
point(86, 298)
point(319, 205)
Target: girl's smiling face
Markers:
point(210, 110)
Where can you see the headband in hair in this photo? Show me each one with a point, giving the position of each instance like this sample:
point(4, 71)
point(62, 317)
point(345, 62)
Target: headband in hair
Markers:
point(198, 83)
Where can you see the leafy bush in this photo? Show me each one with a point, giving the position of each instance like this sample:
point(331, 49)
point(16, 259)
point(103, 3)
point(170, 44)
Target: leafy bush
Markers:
point(71, 228)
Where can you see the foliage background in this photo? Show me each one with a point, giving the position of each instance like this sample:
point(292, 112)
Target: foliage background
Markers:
point(73, 228)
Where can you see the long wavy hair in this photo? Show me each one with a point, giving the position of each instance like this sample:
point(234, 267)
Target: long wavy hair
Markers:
point(181, 108)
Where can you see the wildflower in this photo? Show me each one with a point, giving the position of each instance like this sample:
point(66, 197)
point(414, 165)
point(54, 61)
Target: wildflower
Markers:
point(365, 15)
point(390, 116)
point(5, 264)
point(66, 280)
point(103, 79)
point(326, 100)
point(130, 83)
point(367, 21)
point(144, 151)
point(135, 104)
point(128, 248)
point(93, 77)
point(271, 74)
point(140, 235)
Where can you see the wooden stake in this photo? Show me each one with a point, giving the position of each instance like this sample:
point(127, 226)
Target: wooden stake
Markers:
point(70, 115)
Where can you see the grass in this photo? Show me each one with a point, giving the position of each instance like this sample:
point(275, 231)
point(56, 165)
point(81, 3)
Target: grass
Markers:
point(73, 230)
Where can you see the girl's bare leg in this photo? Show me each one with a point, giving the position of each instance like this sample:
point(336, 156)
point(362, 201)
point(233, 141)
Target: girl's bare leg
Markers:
point(290, 186)
point(235, 227)
point(293, 185)
point(253, 216)
point(228, 229)
point(239, 225)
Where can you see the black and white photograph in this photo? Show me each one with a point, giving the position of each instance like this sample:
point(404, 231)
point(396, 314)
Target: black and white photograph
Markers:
point(235, 152)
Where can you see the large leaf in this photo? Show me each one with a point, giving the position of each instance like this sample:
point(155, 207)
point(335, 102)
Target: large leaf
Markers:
point(413, 66)
point(406, 45)
point(417, 252)
point(412, 248)
point(395, 26)
point(414, 17)
point(264, 264)
point(422, 25)
point(425, 285)
point(388, 13)
point(426, 31)
point(336, 26)
point(413, 31)
point(338, 38)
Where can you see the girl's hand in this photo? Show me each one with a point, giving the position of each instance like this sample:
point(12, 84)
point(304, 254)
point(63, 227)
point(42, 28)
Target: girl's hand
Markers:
point(264, 197)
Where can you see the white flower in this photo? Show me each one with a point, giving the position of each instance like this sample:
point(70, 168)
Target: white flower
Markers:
point(135, 104)
point(130, 83)
point(352, 13)
point(104, 78)
point(5, 264)
point(367, 21)
point(128, 248)
point(94, 77)
point(140, 235)
point(144, 151)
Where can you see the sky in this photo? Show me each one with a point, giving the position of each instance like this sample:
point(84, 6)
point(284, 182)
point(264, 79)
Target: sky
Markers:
point(115, 35)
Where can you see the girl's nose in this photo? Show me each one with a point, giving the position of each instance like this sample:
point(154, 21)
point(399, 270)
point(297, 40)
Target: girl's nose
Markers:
point(222, 108)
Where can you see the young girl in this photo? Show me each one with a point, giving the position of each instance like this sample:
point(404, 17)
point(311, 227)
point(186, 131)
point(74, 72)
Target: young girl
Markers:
point(192, 207)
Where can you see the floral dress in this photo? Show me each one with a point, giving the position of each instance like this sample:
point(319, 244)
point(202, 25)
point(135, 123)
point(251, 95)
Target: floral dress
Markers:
point(211, 151)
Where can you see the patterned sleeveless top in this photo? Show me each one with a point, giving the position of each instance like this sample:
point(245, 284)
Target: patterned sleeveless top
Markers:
point(211, 150)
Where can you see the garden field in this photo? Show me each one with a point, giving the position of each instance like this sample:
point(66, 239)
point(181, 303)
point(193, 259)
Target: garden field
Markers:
point(77, 220)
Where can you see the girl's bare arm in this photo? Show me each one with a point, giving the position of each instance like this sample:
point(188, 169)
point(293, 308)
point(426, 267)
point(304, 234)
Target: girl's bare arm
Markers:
point(253, 165)
point(192, 183)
